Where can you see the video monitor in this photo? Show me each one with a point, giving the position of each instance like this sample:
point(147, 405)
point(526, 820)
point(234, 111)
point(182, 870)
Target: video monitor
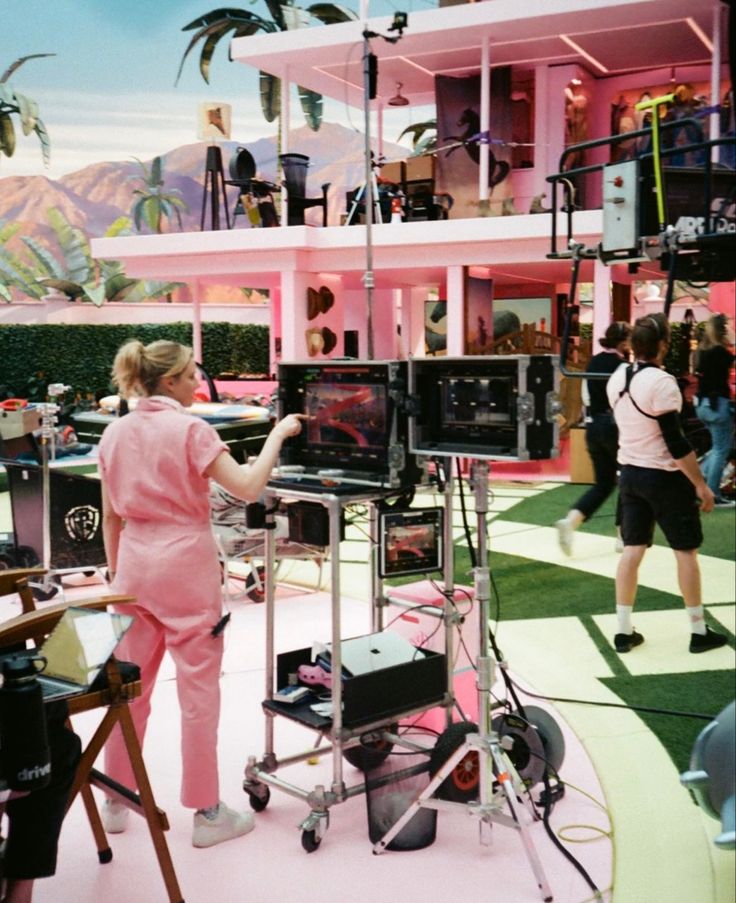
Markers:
point(356, 429)
point(489, 407)
point(410, 542)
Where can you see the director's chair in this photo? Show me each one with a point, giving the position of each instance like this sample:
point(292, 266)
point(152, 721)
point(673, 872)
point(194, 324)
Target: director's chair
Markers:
point(120, 686)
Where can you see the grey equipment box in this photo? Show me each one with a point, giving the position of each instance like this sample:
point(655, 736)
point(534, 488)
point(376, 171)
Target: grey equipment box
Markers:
point(494, 407)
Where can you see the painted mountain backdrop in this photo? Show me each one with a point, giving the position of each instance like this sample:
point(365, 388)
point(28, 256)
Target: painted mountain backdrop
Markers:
point(94, 197)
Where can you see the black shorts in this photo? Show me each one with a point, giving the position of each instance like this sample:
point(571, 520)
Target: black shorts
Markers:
point(665, 497)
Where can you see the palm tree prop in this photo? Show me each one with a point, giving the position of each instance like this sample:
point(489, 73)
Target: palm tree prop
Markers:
point(12, 102)
point(70, 269)
point(213, 26)
point(153, 203)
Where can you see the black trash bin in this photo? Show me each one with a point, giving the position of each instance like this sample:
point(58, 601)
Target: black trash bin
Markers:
point(391, 788)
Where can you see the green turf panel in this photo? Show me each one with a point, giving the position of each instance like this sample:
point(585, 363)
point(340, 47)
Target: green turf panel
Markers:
point(704, 692)
point(719, 527)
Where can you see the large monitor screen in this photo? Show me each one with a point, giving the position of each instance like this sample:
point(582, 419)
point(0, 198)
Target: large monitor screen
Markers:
point(346, 414)
point(410, 542)
point(494, 408)
point(356, 429)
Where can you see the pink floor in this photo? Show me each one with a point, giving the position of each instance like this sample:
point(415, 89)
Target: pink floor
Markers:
point(269, 865)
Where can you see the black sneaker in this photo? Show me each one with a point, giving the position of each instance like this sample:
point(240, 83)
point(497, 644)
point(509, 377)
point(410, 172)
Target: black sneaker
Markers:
point(625, 642)
point(704, 642)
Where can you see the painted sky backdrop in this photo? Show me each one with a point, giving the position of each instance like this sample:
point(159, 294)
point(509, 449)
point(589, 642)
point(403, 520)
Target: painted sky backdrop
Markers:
point(109, 92)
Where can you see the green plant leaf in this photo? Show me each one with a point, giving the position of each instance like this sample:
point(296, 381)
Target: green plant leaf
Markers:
point(7, 135)
point(270, 96)
point(121, 226)
point(117, 286)
point(74, 246)
point(19, 62)
point(331, 13)
point(95, 293)
point(5, 293)
point(311, 103)
point(50, 266)
point(72, 289)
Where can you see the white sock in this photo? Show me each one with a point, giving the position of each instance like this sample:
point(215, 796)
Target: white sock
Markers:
point(623, 613)
point(697, 619)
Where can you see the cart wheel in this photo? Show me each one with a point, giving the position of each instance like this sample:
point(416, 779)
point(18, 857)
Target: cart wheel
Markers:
point(371, 753)
point(255, 584)
point(259, 796)
point(43, 595)
point(310, 841)
point(462, 784)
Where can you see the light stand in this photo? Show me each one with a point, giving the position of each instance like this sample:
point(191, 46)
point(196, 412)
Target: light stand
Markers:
point(492, 759)
point(47, 589)
point(370, 73)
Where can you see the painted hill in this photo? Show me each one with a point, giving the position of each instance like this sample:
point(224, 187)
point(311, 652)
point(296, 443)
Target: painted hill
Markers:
point(94, 197)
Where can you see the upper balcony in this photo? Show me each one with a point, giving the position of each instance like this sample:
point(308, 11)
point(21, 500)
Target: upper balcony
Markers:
point(566, 70)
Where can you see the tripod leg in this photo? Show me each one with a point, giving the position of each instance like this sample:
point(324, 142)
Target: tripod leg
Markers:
point(504, 779)
point(356, 200)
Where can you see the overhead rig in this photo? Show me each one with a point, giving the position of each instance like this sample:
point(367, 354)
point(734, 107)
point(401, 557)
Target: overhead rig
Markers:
point(668, 202)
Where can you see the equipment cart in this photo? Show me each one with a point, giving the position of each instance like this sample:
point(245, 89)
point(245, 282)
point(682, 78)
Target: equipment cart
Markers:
point(364, 703)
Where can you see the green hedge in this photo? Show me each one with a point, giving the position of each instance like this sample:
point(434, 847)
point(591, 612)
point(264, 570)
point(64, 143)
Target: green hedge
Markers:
point(32, 356)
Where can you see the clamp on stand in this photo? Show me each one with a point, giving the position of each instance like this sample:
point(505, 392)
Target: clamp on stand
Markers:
point(494, 763)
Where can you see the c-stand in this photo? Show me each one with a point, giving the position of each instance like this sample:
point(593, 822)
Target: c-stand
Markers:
point(493, 761)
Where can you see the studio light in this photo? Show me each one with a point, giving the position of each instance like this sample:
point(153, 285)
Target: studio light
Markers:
point(398, 100)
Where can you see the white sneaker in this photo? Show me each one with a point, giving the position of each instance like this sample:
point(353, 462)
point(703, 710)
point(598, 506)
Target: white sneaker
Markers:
point(564, 535)
point(227, 824)
point(114, 816)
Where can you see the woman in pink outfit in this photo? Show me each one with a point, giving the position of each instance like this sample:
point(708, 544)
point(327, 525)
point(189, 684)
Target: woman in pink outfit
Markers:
point(155, 464)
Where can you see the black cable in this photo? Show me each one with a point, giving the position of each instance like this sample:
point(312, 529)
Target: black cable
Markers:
point(613, 705)
point(558, 843)
point(466, 526)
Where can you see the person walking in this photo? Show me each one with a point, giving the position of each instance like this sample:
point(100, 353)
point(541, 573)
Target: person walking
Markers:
point(156, 463)
point(660, 482)
point(713, 363)
point(601, 432)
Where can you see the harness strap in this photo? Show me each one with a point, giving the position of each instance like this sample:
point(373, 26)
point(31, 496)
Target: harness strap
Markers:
point(630, 374)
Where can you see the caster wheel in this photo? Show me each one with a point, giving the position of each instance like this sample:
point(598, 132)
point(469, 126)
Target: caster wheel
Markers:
point(255, 584)
point(258, 798)
point(310, 841)
point(463, 782)
point(371, 753)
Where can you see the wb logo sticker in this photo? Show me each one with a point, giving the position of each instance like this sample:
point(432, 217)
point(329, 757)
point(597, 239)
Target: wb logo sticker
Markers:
point(82, 522)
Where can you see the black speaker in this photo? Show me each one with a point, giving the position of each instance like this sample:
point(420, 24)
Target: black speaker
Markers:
point(350, 340)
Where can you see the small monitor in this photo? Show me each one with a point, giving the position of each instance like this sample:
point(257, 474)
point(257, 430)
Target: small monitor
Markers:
point(411, 542)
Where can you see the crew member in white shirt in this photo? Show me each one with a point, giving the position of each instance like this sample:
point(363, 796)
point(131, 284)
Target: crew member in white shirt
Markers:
point(660, 482)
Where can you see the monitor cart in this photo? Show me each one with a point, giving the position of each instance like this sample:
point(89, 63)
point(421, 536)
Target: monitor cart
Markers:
point(343, 730)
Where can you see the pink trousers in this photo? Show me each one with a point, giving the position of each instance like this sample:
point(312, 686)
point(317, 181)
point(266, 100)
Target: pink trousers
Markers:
point(176, 581)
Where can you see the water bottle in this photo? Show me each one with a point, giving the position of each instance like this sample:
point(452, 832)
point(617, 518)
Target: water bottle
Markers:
point(25, 758)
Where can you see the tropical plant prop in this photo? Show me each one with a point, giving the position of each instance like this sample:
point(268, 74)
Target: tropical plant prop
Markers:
point(423, 137)
point(13, 103)
point(154, 204)
point(214, 25)
point(69, 268)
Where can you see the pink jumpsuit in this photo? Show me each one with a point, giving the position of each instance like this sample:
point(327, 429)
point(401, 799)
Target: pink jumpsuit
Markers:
point(153, 462)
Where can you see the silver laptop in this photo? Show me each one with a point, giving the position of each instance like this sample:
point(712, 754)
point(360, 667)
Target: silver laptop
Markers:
point(363, 654)
point(78, 648)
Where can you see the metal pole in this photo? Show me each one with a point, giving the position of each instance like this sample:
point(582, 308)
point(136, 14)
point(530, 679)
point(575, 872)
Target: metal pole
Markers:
point(368, 280)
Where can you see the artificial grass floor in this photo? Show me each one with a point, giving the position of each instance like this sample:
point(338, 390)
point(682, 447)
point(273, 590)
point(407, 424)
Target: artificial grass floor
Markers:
point(523, 588)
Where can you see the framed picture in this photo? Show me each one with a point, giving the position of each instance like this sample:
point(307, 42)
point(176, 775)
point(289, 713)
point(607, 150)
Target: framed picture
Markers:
point(435, 327)
point(478, 326)
point(213, 121)
point(533, 311)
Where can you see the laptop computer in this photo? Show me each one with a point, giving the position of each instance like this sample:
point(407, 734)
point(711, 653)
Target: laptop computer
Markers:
point(374, 651)
point(77, 650)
